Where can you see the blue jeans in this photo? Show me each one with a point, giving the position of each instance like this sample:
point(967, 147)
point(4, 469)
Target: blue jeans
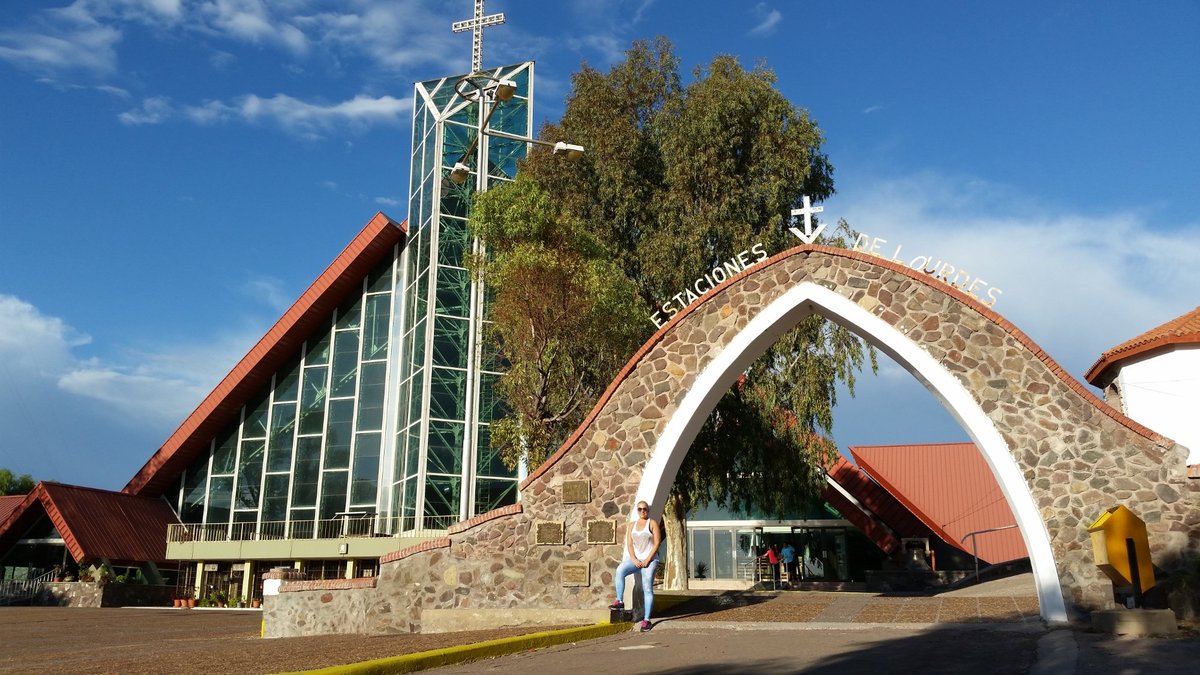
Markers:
point(625, 569)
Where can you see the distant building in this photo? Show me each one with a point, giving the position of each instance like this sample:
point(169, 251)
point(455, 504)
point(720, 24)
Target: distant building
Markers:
point(1154, 378)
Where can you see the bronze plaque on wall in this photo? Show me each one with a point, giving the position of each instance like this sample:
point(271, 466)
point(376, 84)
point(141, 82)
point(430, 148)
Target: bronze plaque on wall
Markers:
point(601, 532)
point(576, 574)
point(548, 532)
point(576, 491)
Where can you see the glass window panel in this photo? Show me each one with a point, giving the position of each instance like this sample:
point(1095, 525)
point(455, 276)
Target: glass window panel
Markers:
point(447, 393)
point(453, 242)
point(193, 491)
point(333, 494)
point(275, 498)
point(308, 465)
point(345, 363)
point(255, 425)
point(453, 291)
point(365, 480)
point(283, 431)
point(338, 434)
point(723, 554)
point(417, 352)
point(225, 456)
point(287, 381)
point(370, 396)
point(302, 525)
point(487, 459)
point(450, 342)
point(312, 400)
point(441, 500)
point(318, 350)
point(456, 199)
point(220, 494)
point(414, 402)
point(702, 554)
point(408, 509)
point(490, 405)
point(492, 494)
point(503, 155)
point(413, 459)
point(401, 406)
point(377, 325)
point(445, 447)
point(380, 278)
point(249, 474)
point(350, 313)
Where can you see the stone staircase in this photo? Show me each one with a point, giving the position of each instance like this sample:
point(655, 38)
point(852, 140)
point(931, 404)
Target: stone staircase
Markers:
point(23, 591)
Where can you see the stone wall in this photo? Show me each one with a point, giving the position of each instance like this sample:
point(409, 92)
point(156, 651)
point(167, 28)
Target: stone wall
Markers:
point(1077, 455)
point(91, 594)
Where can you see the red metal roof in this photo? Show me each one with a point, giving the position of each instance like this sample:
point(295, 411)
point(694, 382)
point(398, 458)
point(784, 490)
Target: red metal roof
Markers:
point(951, 489)
point(8, 504)
point(282, 342)
point(858, 486)
point(94, 524)
point(1182, 330)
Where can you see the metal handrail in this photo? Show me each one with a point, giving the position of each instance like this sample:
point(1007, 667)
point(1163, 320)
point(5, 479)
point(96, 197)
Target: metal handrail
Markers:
point(16, 590)
point(343, 527)
point(974, 543)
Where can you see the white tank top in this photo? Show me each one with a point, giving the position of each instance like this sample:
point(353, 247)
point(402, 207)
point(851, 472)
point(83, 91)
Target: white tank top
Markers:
point(643, 542)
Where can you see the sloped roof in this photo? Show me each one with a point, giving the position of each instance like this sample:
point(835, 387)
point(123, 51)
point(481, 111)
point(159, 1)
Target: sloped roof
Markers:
point(950, 488)
point(282, 342)
point(8, 504)
point(886, 519)
point(94, 524)
point(1182, 330)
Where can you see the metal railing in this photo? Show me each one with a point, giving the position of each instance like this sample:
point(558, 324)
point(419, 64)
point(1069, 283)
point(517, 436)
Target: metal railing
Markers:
point(975, 548)
point(344, 526)
point(21, 590)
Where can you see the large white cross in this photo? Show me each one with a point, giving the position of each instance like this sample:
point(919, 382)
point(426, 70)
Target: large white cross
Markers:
point(476, 26)
point(808, 235)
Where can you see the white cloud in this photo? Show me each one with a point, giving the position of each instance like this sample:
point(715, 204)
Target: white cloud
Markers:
point(270, 291)
point(768, 19)
point(1077, 283)
point(69, 43)
point(388, 201)
point(309, 120)
point(154, 110)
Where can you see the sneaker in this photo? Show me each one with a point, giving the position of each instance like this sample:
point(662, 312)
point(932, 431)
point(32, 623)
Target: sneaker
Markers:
point(618, 605)
point(645, 626)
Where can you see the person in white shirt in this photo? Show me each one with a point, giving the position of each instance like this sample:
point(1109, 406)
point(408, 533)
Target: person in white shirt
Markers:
point(641, 554)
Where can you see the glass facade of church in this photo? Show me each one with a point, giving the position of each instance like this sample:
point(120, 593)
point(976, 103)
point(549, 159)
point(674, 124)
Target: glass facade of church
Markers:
point(381, 421)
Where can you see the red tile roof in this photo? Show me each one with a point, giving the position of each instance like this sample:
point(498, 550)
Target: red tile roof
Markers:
point(951, 489)
point(95, 524)
point(1183, 330)
point(282, 342)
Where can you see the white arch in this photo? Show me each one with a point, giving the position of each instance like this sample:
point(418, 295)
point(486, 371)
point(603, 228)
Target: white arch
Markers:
point(781, 315)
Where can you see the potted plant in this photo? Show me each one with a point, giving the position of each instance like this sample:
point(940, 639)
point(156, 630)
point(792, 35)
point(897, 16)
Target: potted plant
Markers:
point(255, 603)
point(190, 601)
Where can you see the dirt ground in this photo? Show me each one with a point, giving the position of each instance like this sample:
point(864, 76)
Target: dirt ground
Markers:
point(143, 641)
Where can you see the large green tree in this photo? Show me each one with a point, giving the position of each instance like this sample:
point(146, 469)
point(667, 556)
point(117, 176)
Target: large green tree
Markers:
point(678, 178)
point(11, 484)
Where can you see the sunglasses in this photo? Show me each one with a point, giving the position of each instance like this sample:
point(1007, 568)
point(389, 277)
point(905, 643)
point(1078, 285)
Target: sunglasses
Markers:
point(643, 508)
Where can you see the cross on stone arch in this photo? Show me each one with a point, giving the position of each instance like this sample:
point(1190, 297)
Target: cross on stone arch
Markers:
point(476, 25)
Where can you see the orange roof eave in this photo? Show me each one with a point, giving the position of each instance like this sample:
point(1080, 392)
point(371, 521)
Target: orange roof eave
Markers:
point(255, 369)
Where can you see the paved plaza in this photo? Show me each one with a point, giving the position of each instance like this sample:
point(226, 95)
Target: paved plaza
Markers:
point(993, 628)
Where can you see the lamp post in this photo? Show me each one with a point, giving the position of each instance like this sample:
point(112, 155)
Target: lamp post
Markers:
point(491, 92)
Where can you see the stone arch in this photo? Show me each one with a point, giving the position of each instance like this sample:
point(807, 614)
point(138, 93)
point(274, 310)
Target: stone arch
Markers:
point(1059, 454)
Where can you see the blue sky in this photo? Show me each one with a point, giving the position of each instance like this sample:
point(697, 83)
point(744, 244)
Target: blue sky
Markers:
point(173, 173)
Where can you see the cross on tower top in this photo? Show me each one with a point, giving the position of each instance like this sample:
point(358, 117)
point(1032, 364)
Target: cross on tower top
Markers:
point(476, 26)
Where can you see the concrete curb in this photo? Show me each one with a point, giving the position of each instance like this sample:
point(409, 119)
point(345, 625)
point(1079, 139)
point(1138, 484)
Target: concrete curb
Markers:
point(410, 663)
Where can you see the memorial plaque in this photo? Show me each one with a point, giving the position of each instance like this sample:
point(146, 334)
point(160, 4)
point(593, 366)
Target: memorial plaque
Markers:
point(576, 491)
point(548, 532)
point(601, 532)
point(576, 574)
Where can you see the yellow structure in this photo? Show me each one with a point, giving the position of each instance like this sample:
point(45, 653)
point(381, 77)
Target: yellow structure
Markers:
point(1109, 534)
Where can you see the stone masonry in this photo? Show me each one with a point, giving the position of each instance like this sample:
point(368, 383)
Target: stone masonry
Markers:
point(1078, 456)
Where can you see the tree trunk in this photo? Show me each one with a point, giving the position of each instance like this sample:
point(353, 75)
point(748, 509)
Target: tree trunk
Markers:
point(675, 530)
